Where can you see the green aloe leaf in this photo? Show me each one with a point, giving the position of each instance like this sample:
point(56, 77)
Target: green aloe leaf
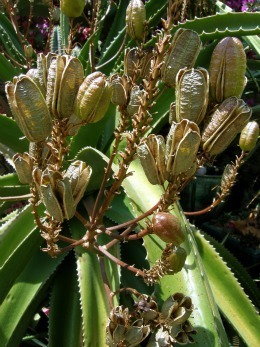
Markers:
point(93, 300)
point(192, 279)
point(24, 297)
point(7, 70)
point(9, 135)
point(17, 246)
point(65, 314)
point(229, 295)
point(10, 186)
point(224, 24)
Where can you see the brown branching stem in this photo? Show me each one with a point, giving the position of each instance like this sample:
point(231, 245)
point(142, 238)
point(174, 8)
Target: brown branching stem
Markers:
point(118, 261)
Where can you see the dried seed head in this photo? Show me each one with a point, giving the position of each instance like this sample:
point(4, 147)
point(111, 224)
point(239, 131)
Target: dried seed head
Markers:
point(181, 148)
point(123, 331)
point(65, 76)
point(23, 165)
point(249, 136)
point(29, 108)
point(182, 53)
point(168, 228)
point(192, 92)
point(227, 121)
point(135, 19)
point(227, 69)
point(93, 98)
point(151, 153)
point(72, 8)
point(177, 309)
point(119, 96)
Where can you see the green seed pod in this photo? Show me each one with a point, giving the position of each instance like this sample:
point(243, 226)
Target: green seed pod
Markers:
point(131, 62)
point(227, 121)
point(28, 51)
point(72, 8)
point(23, 166)
point(192, 94)
point(135, 100)
point(181, 148)
point(65, 76)
point(152, 154)
point(29, 108)
point(64, 194)
point(119, 96)
point(182, 53)
point(135, 19)
point(79, 175)
point(168, 228)
point(93, 98)
point(176, 260)
point(249, 136)
point(227, 69)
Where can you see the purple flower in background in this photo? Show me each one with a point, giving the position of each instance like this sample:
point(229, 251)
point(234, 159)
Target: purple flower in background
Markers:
point(242, 5)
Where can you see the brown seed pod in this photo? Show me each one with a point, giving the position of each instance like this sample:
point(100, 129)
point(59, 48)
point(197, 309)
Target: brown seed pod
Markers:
point(168, 228)
point(227, 69)
point(182, 53)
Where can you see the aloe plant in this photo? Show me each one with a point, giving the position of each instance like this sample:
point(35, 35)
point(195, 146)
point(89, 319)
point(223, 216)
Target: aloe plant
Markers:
point(75, 246)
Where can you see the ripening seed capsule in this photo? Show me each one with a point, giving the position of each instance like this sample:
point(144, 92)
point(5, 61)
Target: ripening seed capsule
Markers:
point(168, 228)
point(72, 8)
point(135, 19)
point(249, 136)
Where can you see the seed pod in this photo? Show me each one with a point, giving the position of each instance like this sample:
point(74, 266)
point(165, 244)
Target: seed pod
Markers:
point(23, 166)
point(177, 309)
point(182, 53)
point(192, 93)
point(131, 62)
point(64, 79)
point(249, 136)
point(29, 108)
point(93, 98)
point(28, 51)
point(227, 69)
point(72, 8)
point(56, 194)
point(176, 260)
point(135, 19)
point(79, 175)
point(168, 228)
point(227, 121)
point(147, 63)
point(181, 147)
point(151, 154)
point(135, 100)
point(119, 96)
